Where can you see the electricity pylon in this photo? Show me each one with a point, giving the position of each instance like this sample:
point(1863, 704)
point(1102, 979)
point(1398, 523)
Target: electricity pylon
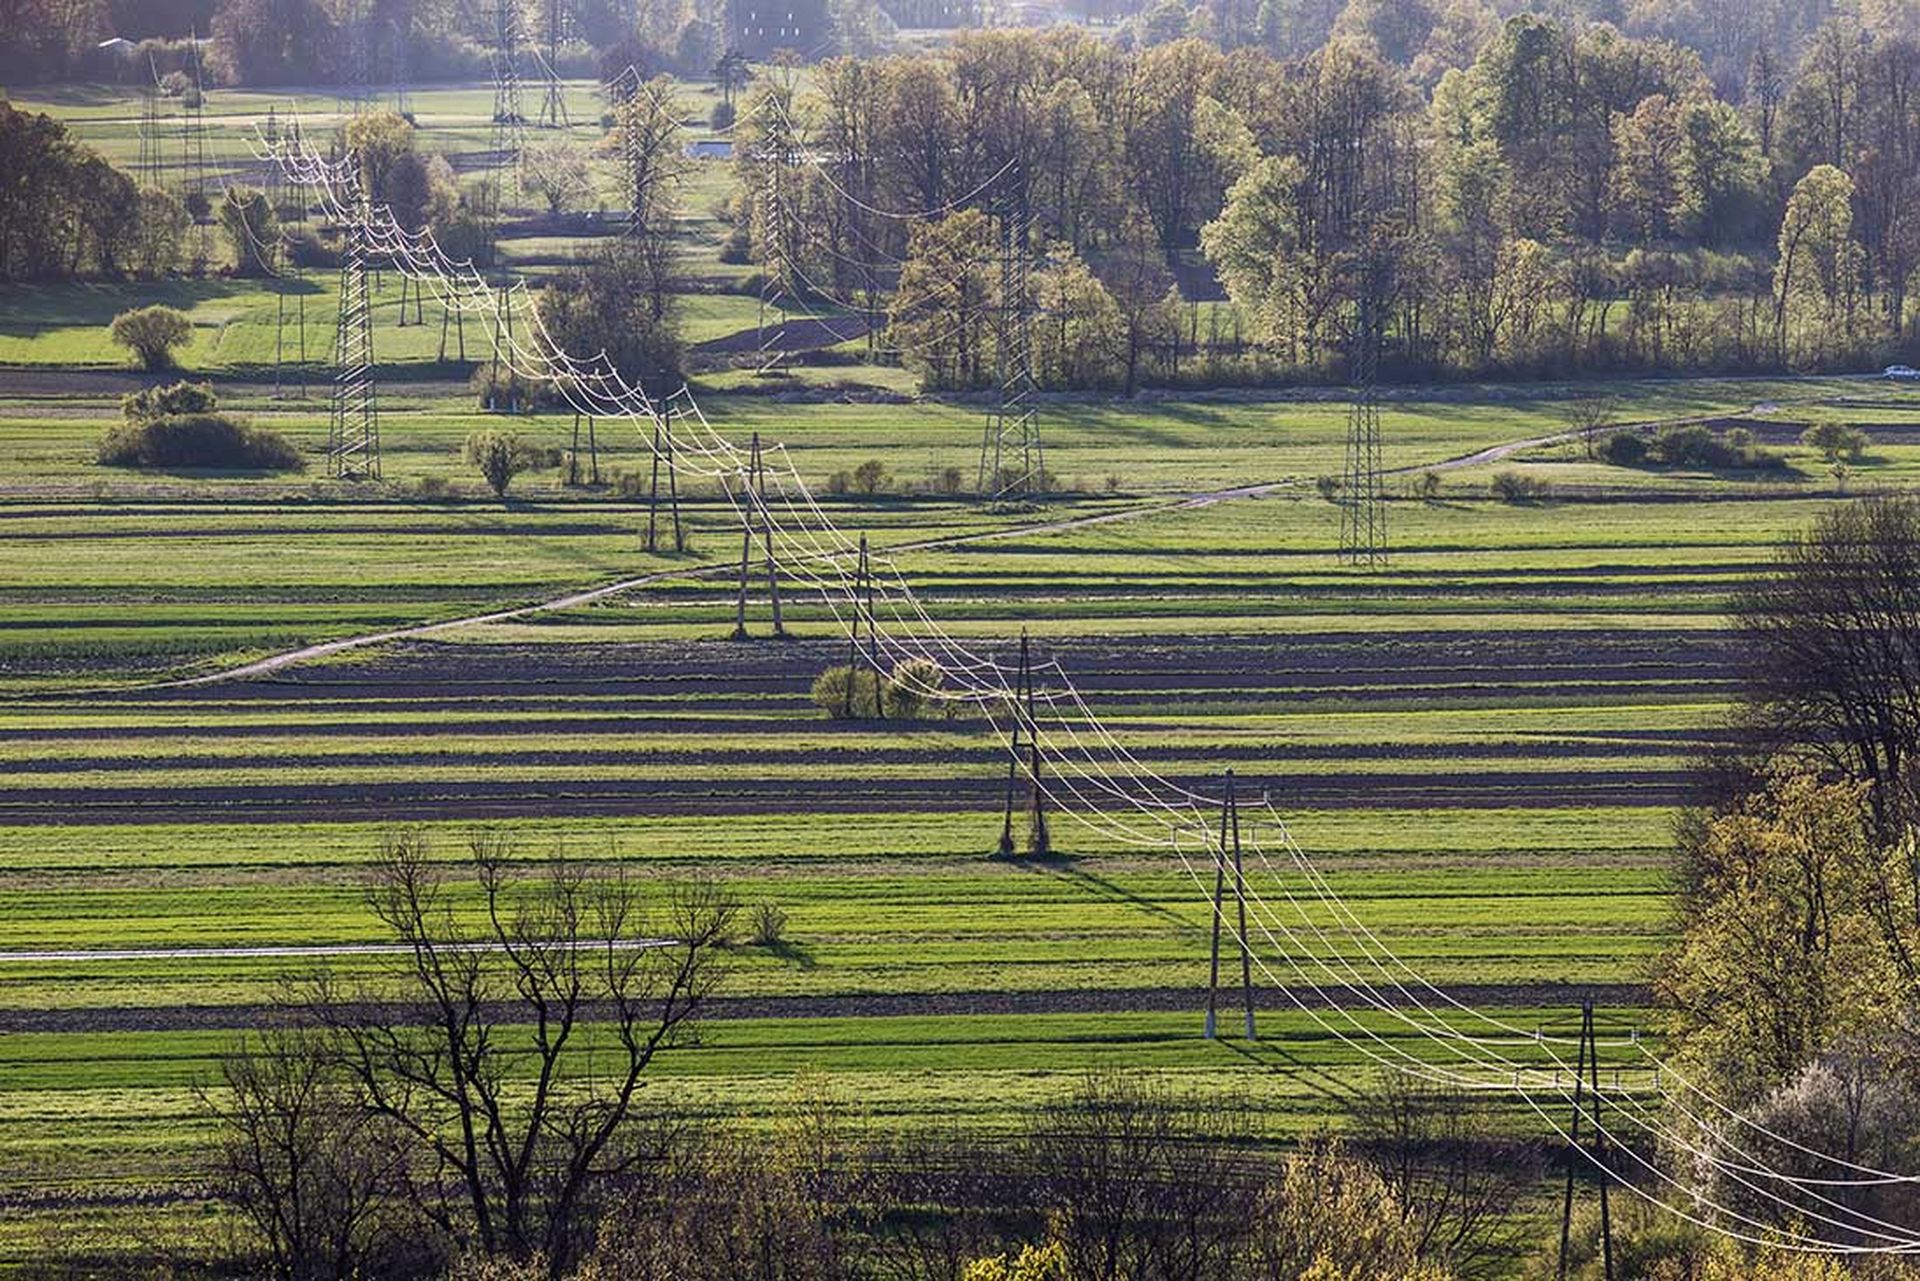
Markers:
point(1363, 509)
point(1012, 461)
point(353, 418)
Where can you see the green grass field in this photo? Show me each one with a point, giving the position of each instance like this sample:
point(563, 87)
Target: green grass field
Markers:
point(1482, 744)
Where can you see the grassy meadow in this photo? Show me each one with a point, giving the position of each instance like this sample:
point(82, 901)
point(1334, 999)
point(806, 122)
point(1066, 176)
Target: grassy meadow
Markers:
point(1483, 744)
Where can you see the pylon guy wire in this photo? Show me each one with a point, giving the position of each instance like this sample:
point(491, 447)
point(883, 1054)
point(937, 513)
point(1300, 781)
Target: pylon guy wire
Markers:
point(786, 538)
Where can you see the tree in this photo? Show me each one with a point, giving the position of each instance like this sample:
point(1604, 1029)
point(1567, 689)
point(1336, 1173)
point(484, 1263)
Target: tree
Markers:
point(513, 1109)
point(619, 304)
point(499, 457)
point(1830, 643)
point(153, 334)
point(1079, 333)
point(1816, 281)
point(162, 224)
point(1450, 1171)
point(1142, 292)
point(870, 477)
point(1589, 416)
point(649, 139)
point(252, 229)
point(313, 1174)
point(1257, 244)
point(939, 317)
point(392, 173)
point(557, 173)
point(1782, 952)
point(1130, 1188)
point(1835, 441)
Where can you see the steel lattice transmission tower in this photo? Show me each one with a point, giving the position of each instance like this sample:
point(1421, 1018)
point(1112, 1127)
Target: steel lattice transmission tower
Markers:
point(150, 165)
point(509, 120)
point(401, 66)
point(1363, 509)
point(353, 421)
point(553, 102)
point(1012, 462)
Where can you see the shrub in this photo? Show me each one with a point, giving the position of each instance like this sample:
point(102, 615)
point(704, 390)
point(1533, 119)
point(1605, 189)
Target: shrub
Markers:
point(218, 442)
point(1625, 449)
point(497, 454)
point(150, 403)
point(1326, 486)
point(1428, 486)
point(1835, 441)
point(840, 482)
point(1512, 487)
point(737, 249)
point(913, 690)
point(306, 249)
point(870, 477)
point(1695, 446)
point(504, 390)
point(830, 693)
point(151, 334)
point(949, 480)
point(769, 926)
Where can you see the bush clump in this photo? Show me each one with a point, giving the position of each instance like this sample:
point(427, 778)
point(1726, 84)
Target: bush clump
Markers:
point(1625, 449)
point(1692, 445)
point(1836, 442)
point(156, 434)
point(1513, 487)
point(911, 692)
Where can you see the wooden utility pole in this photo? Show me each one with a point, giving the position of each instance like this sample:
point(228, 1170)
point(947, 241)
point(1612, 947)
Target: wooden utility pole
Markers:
point(1586, 1086)
point(593, 452)
point(753, 495)
point(1229, 842)
point(1039, 843)
point(663, 453)
point(862, 599)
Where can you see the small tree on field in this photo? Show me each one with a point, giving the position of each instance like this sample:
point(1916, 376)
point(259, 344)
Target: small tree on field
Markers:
point(1589, 416)
point(557, 173)
point(498, 456)
point(152, 334)
point(1835, 441)
point(252, 229)
point(870, 477)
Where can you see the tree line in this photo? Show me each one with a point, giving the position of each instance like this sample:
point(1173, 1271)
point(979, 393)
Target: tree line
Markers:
point(1564, 199)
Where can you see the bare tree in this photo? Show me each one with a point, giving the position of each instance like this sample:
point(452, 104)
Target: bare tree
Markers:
point(513, 1085)
point(1590, 415)
point(310, 1171)
point(1453, 1175)
point(1831, 647)
point(1141, 1184)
